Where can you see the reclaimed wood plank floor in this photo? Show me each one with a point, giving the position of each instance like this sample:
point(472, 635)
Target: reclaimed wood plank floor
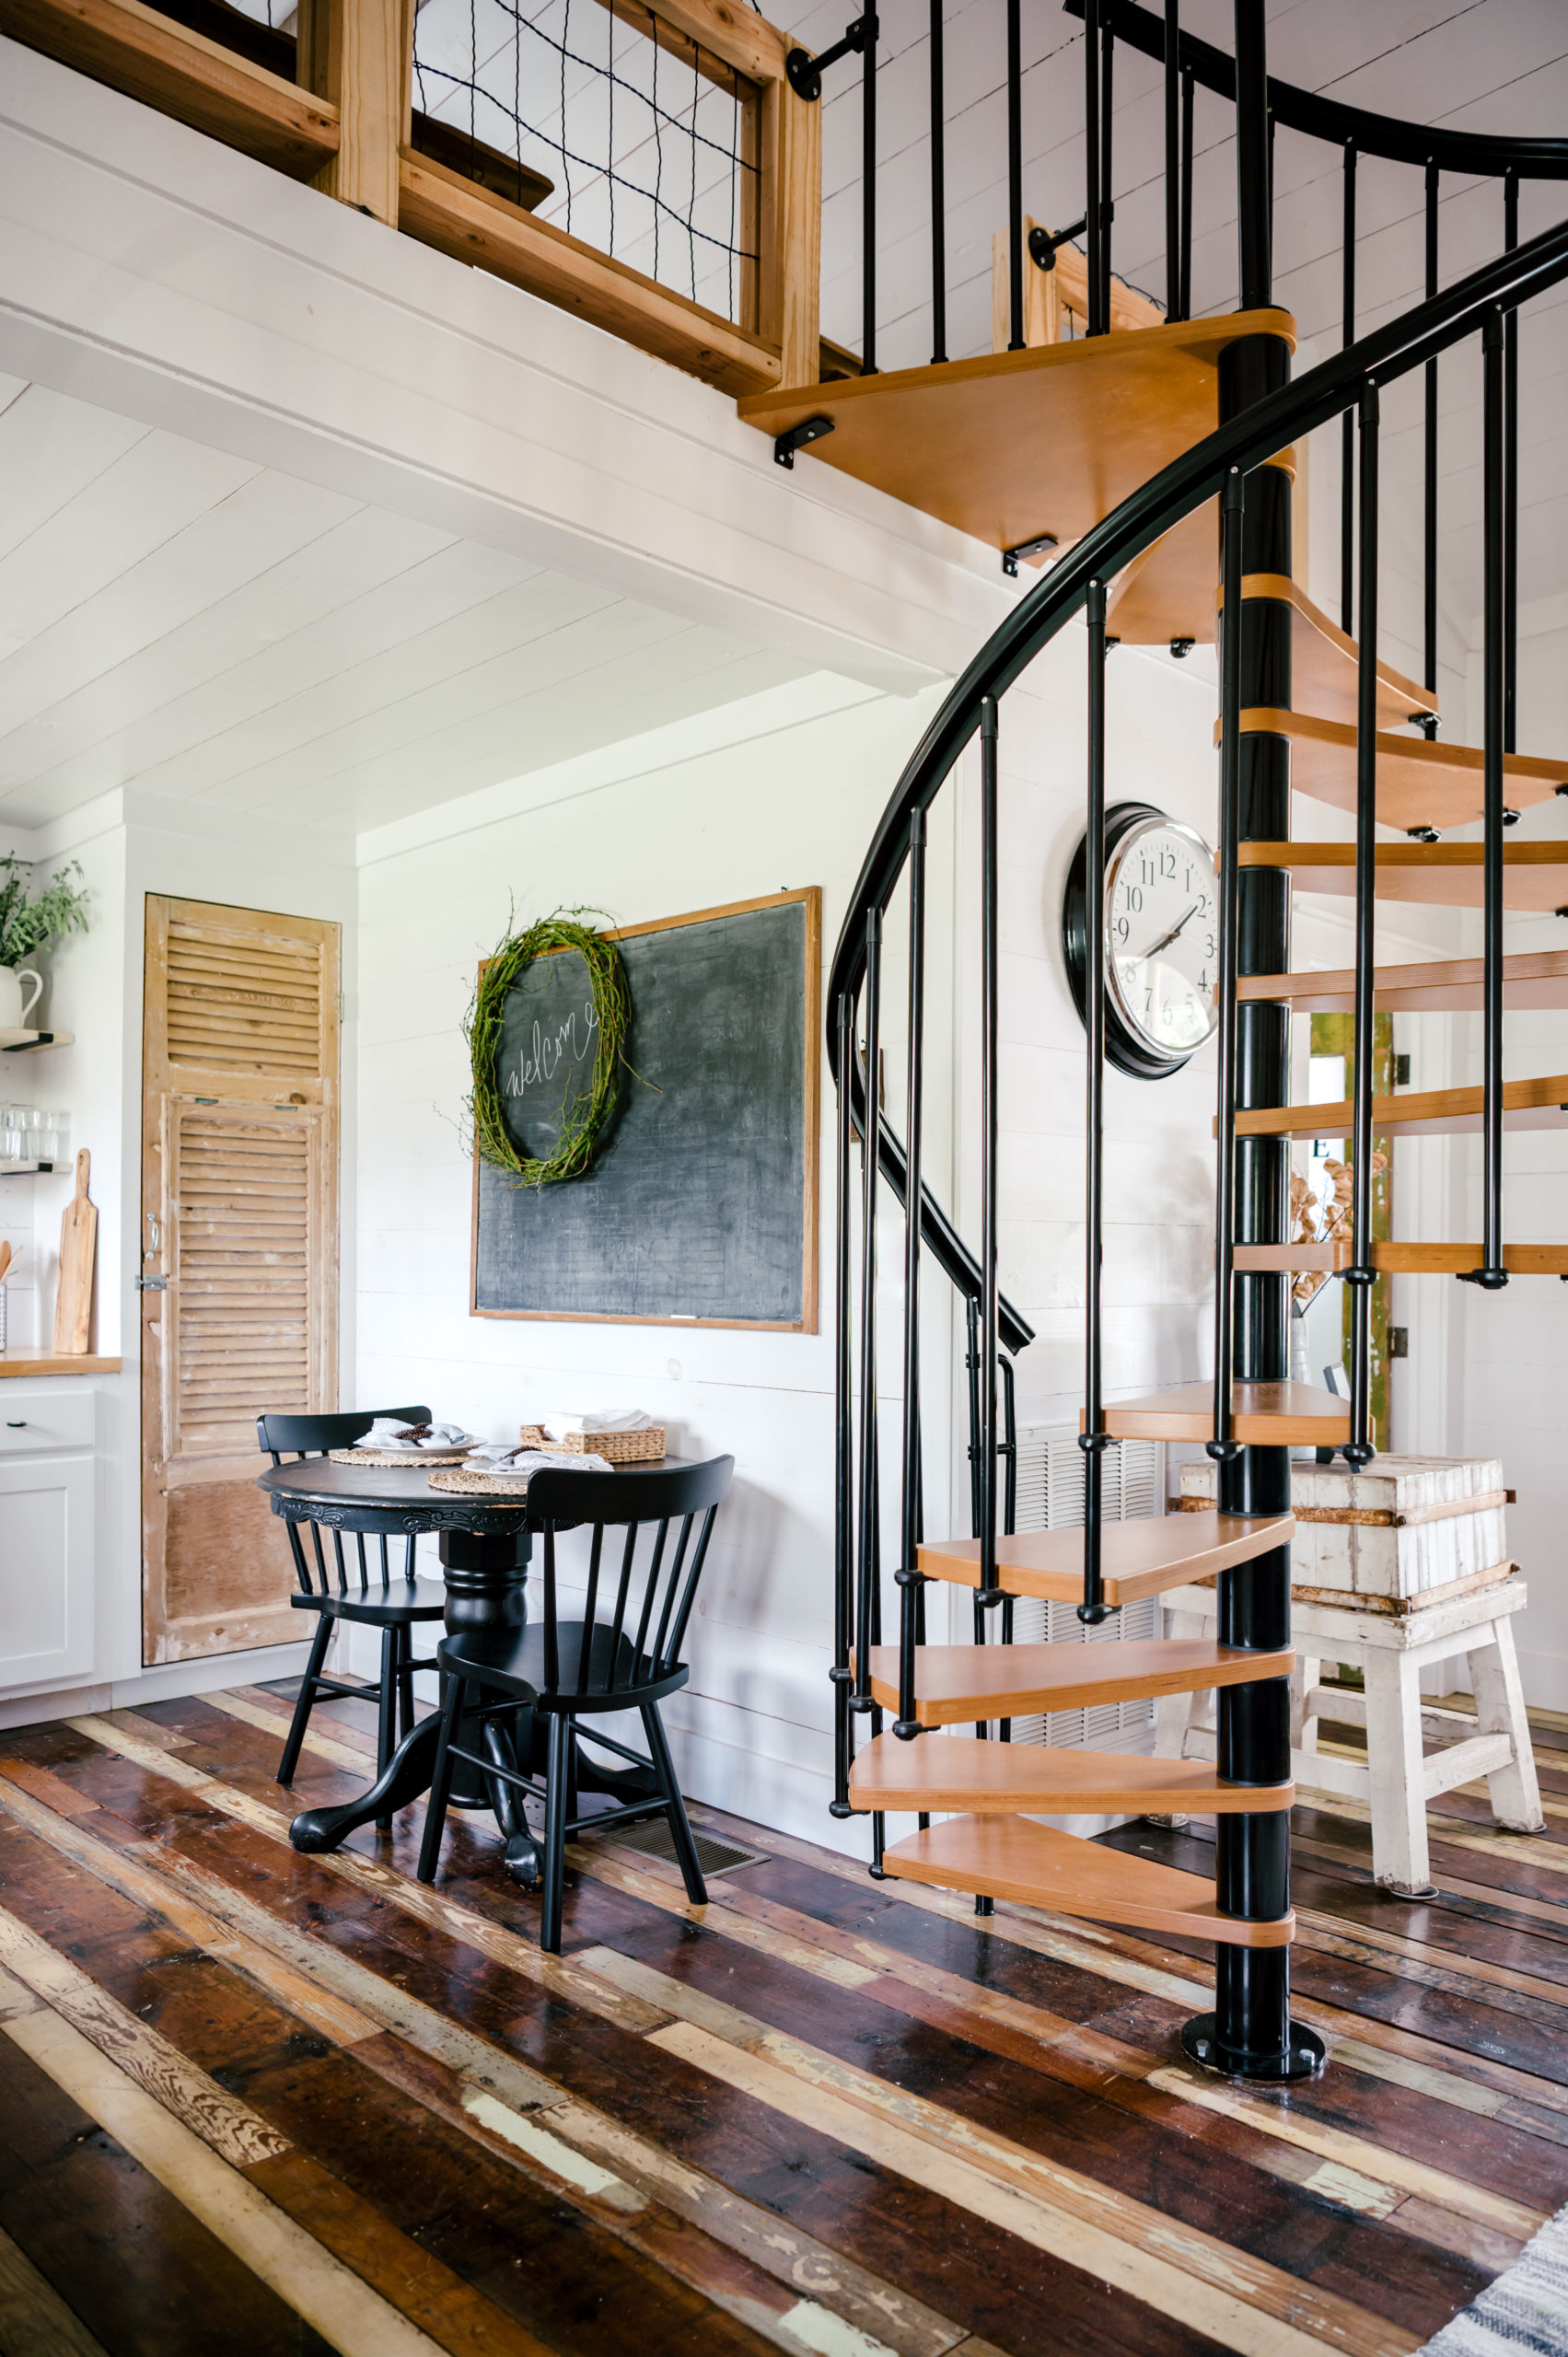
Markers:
point(335, 2109)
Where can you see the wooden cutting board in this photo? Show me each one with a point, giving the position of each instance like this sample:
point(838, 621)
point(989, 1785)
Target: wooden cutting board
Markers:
point(78, 1248)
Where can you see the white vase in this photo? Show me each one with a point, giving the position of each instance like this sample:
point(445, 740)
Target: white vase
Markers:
point(13, 1010)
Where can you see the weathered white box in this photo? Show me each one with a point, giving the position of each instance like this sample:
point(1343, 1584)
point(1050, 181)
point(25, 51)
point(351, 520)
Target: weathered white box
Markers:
point(1406, 1531)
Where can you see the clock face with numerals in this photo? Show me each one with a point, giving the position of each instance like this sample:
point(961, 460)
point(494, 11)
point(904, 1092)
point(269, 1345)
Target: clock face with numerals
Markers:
point(1161, 939)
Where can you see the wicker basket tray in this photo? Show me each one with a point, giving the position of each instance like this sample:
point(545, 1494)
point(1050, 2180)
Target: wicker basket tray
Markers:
point(470, 1483)
point(376, 1458)
point(617, 1448)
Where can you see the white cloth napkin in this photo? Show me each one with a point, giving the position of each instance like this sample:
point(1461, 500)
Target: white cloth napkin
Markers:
point(389, 1432)
point(520, 1465)
point(557, 1425)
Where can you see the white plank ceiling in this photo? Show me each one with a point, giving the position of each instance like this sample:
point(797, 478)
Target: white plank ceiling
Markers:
point(180, 620)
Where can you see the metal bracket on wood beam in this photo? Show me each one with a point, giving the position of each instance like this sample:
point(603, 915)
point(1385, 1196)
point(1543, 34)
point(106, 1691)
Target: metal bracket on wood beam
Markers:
point(1026, 548)
point(810, 429)
point(1043, 243)
point(805, 71)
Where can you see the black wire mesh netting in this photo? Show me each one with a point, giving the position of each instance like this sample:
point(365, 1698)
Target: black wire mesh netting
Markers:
point(618, 130)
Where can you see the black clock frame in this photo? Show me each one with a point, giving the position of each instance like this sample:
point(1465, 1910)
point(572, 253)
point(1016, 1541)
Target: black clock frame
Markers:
point(1123, 1048)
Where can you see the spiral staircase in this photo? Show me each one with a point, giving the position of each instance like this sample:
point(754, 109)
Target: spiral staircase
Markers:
point(1129, 448)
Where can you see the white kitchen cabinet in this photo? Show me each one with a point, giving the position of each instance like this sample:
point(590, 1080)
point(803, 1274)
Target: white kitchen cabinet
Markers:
point(48, 1502)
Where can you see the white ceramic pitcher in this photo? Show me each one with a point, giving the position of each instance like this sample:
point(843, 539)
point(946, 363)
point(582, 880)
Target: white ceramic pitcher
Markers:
point(13, 1010)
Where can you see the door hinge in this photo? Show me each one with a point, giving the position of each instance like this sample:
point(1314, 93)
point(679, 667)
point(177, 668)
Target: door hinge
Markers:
point(151, 1285)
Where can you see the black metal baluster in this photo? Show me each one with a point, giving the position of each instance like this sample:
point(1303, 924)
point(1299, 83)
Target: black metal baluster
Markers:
point(1107, 205)
point(990, 1594)
point(1510, 481)
point(1173, 305)
point(939, 195)
point(1347, 443)
point(1429, 456)
point(1093, 1439)
point(870, 1127)
point(1188, 94)
point(972, 1370)
point(908, 1576)
point(1223, 1447)
point(1093, 227)
point(1359, 1450)
point(1015, 179)
point(1492, 1272)
point(844, 1412)
point(868, 196)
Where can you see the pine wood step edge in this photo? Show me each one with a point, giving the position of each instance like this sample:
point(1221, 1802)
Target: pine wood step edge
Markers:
point(1035, 1865)
point(959, 1684)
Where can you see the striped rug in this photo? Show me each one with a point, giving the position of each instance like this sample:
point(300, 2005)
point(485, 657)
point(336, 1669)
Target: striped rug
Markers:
point(1524, 2313)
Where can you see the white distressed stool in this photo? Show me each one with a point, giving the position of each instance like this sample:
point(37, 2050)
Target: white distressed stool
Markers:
point(1390, 1650)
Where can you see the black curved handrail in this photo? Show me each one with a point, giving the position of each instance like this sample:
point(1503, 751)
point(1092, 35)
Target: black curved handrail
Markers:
point(1197, 475)
point(1331, 119)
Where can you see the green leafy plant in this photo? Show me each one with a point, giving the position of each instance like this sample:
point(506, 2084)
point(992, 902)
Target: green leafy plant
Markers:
point(28, 925)
point(584, 1117)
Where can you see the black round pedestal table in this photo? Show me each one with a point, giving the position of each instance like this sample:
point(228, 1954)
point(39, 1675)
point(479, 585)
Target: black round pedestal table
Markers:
point(484, 1545)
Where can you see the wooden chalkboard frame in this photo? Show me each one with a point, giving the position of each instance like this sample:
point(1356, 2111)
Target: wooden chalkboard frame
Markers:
point(810, 897)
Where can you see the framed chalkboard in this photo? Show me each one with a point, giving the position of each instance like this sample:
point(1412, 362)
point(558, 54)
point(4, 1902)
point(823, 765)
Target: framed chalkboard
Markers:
point(699, 1207)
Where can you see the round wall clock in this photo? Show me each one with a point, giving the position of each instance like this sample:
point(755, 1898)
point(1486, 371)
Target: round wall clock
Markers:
point(1161, 939)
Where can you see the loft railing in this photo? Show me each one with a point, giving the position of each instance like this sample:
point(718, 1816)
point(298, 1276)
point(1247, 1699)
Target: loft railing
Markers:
point(470, 170)
point(1222, 466)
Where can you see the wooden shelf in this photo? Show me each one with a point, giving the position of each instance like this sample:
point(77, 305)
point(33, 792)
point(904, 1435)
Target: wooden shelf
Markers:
point(1531, 978)
point(956, 1684)
point(1540, 1104)
point(1013, 444)
point(1136, 1558)
point(1264, 1415)
point(24, 1043)
point(1419, 784)
point(1449, 876)
point(23, 1169)
point(23, 1363)
point(960, 1771)
point(1402, 1260)
point(1035, 1865)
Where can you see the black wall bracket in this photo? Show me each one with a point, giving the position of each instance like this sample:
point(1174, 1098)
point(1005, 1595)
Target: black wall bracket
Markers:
point(1043, 244)
point(1026, 548)
point(805, 71)
point(810, 429)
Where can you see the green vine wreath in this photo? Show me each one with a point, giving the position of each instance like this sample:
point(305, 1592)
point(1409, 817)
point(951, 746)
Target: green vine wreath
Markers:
point(583, 1121)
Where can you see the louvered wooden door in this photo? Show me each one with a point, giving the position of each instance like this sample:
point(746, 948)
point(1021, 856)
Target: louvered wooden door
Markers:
point(240, 1196)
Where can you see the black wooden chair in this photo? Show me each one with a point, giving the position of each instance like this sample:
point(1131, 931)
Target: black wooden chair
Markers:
point(355, 1587)
point(622, 1655)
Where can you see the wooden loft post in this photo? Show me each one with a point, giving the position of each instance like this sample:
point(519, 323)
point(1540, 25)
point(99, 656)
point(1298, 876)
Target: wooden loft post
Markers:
point(360, 55)
point(790, 239)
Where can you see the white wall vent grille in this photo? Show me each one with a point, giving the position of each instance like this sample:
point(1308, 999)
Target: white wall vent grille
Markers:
point(1051, 1497)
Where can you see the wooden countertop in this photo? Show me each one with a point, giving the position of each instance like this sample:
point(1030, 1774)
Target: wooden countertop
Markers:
point(52, 1363)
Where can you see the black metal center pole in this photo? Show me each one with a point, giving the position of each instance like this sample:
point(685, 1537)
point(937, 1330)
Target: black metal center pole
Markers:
point(1250, 2034)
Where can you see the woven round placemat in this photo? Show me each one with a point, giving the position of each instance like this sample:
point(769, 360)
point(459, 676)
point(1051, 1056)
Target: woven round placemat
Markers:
point(383, 1456)
point(478, 1485)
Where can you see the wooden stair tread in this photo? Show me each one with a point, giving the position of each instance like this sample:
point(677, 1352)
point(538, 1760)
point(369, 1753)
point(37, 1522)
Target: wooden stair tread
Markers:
point(961, 1684)
point(1539, 1104)
point(1326, 665)
point(1404, 1260)
point(1267, 1415)
point(1419, 784)
point(1037, 1865)
point(961, 1771)
point(1138, 1558)
point(1009, 445)
point(1535, 876)
point(1531, 978)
